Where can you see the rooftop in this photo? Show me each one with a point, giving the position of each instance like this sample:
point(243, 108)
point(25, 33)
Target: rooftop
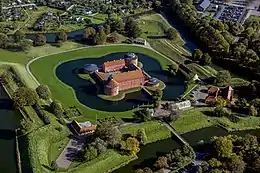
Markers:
point(125, 76)
point(114, 63)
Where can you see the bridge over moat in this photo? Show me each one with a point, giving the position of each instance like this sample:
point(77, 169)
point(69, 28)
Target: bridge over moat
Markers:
point(174, 132)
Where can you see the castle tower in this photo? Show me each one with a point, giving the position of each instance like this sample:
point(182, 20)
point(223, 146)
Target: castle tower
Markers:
point(131, 58)
point(111, 88)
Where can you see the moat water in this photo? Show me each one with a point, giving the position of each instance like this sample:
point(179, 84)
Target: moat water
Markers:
point(86, 91)
point(148, 153)
point(9, 121)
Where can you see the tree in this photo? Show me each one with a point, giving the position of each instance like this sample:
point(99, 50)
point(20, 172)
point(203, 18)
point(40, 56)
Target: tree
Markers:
point(143, 115)
point(223, 147)
point(236, 164)
point(89, 34)
point(188, 152)
point(57, 108)
point(197, 54)
point(19, 36)
point(62, 36)
point(100, 145)
point(205, 59)
point(132, 29)
point(221, 102)
point(214, 163)
point(161, 162)
point(3, 41)
point(44, 92)
point(223, 78)
point(172, 33)
point(100, 37)
point(107, 29)
point(39, 40)
point(253, 111)
point(91, 153)
point(172, 69)
point(108, 133)
point(241, 103)
point(250, 142)
point(141, 135)
point(220, 111)
point(116, 24)
point(25, 97)
point(256, 166)
point(131, 145)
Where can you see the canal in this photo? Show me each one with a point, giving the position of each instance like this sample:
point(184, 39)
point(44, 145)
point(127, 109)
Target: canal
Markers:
point(148, 153)
point(9, 121)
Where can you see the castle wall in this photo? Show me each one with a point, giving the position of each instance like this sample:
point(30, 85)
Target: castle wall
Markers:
point(131, 84)
point(111, 91)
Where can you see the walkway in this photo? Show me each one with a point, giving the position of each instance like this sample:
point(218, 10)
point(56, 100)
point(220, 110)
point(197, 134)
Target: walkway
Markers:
point(69, 153)
point(147, 91)
point(174, 132)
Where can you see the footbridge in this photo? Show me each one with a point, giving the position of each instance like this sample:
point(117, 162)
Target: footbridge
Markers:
point(174, 132)
point(147, 91)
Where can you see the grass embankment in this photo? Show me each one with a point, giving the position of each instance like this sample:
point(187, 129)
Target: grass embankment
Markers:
point(154, 130)
point(44, 142)
point(198, 118)
point(44, 70)
point(154, 27)
point(120, 96)
point(105, 162)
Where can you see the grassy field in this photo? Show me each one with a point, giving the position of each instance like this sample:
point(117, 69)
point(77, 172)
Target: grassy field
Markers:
point(194, 119)
point(44, 70)
point(107, 161)
point(154, 130)
point(154, 27)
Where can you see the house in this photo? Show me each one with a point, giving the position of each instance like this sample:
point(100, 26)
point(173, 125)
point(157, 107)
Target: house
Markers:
point(203, 5)
point(180, 105)
point(84, 128)
point(87, 11)
point(215, 92)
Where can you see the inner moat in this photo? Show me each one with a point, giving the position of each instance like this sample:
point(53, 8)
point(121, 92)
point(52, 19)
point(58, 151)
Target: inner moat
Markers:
point(86, 91)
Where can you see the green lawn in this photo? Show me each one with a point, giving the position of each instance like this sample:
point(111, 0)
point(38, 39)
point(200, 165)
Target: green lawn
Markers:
point(154, 130)
point(44, 70)
point(103, 163)
point(194, 119)
point(154, 27)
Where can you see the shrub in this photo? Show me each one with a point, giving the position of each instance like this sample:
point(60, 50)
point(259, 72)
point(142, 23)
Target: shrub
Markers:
point(42, 115)
point(57, 108)
point(44, 92)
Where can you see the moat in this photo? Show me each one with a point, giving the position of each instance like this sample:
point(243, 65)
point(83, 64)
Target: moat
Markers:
point(86, 92)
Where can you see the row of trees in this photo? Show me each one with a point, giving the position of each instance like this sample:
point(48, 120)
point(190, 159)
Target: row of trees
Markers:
point(218, 38)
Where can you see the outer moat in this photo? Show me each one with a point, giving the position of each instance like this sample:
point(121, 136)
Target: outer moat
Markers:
point(86, 91)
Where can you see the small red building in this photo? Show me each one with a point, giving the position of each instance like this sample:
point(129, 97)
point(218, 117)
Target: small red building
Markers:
point(215, 92)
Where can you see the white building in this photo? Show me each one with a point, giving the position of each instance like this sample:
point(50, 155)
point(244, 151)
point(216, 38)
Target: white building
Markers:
point(181, 105)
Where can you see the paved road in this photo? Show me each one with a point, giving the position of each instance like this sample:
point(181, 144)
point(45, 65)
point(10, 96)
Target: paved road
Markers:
point(69, 153)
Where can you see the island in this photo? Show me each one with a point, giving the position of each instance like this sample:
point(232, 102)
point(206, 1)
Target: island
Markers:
point(118, 77)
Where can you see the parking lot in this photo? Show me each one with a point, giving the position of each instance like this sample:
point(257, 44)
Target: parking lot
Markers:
point(232, 13)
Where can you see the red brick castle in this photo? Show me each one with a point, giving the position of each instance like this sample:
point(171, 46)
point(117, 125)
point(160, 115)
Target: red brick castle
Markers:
point(122, 74)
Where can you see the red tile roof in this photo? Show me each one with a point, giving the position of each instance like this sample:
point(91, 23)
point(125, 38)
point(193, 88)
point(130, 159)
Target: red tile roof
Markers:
point(126, 76)
point(114, 63)
point(213, 90)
